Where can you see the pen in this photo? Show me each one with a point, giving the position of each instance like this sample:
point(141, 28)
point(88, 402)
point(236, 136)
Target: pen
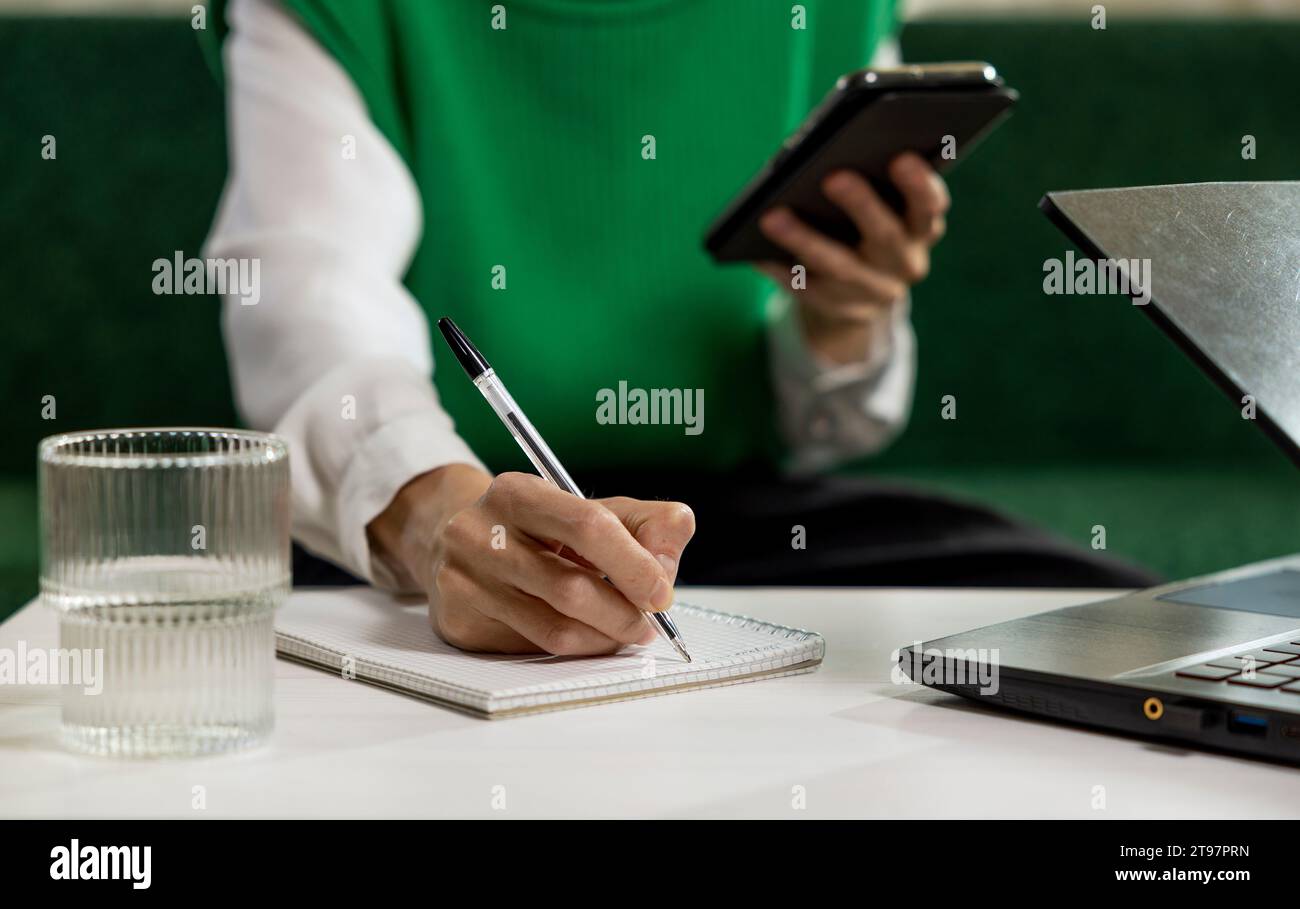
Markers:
point(485, 379)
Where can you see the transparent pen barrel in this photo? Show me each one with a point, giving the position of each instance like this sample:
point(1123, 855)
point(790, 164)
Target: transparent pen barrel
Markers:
point(528, 438)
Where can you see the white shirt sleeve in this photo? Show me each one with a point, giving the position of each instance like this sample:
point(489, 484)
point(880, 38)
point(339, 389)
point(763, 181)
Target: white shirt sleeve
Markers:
point(830, 413)
point(335, 356)
point(827, 413)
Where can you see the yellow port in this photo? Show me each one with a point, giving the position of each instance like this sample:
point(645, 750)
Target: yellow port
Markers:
point(1153, 708)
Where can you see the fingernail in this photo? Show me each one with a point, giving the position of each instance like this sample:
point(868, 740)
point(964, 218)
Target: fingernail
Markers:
point(914, 165)
point(837, 184)
point(662, 596)
point(670, 566)
point(777, 220)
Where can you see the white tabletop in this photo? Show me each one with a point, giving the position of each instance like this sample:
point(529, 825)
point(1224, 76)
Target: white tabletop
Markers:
point(845, 741)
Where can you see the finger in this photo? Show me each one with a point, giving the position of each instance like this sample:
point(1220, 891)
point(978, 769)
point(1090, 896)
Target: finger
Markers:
point(456, 621)
point(878, 288)
point(815, 250)
point(547, 628)
point(663, 528)
point(924, 193)
point(477, 633)
point(846, 303)
point(873, 289)
point(577, 592)
point(588, 528)
point(934, 233)
point(883, 232)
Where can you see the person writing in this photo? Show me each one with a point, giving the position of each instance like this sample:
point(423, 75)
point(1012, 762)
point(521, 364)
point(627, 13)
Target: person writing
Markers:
point(544, 163)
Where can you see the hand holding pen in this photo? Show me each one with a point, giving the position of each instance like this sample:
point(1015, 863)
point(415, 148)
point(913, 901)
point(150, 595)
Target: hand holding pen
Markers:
point(484, 549)
point(548, 465)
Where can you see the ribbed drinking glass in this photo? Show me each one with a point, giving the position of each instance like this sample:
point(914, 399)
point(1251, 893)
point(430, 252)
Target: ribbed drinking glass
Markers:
point(166, 553)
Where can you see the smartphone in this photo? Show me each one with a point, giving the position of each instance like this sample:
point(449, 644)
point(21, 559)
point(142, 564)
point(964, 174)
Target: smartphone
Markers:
point(939, 110)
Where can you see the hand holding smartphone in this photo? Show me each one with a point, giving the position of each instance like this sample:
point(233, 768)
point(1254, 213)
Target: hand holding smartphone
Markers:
point(939, 111)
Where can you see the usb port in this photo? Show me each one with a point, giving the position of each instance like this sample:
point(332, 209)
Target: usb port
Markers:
point(1247, 723)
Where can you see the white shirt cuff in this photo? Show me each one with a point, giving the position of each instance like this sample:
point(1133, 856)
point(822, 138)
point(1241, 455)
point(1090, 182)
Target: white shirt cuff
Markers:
point(359, 435)
point(829, 412)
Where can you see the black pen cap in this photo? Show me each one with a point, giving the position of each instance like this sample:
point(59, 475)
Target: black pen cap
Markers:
point(465, 351)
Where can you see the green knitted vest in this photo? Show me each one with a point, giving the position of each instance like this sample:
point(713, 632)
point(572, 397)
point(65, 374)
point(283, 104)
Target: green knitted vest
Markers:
point(570, 155)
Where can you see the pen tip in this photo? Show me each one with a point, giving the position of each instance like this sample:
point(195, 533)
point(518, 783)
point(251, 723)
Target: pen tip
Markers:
point(677, 645)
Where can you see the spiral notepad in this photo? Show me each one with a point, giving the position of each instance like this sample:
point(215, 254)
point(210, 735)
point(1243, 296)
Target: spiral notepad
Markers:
point(367, 635)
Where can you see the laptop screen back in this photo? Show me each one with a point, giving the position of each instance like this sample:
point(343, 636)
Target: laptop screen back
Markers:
point(1223, 279)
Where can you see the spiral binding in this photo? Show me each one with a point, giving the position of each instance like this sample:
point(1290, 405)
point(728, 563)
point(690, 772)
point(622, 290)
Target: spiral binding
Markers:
point(748, 622)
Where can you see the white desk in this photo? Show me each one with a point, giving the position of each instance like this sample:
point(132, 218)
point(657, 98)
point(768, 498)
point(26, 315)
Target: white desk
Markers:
point(859, 745)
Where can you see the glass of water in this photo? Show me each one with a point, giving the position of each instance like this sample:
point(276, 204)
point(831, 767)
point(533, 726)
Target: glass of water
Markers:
point(165, 553)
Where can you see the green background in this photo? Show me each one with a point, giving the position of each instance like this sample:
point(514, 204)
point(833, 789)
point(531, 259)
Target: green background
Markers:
point(1072, 411)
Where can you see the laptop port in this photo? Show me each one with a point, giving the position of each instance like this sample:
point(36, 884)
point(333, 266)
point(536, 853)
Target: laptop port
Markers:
point(1247, 723)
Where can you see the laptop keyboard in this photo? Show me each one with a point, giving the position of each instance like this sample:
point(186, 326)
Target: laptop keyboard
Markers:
point(1275, 666)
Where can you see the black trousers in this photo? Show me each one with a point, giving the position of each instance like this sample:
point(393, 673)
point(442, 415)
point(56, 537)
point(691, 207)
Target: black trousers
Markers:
point(760, 530)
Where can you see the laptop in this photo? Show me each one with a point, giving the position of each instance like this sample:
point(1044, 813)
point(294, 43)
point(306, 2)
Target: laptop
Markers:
point(1212, 662)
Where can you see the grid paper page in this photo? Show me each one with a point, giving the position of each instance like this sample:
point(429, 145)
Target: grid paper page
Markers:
point(390, 642)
